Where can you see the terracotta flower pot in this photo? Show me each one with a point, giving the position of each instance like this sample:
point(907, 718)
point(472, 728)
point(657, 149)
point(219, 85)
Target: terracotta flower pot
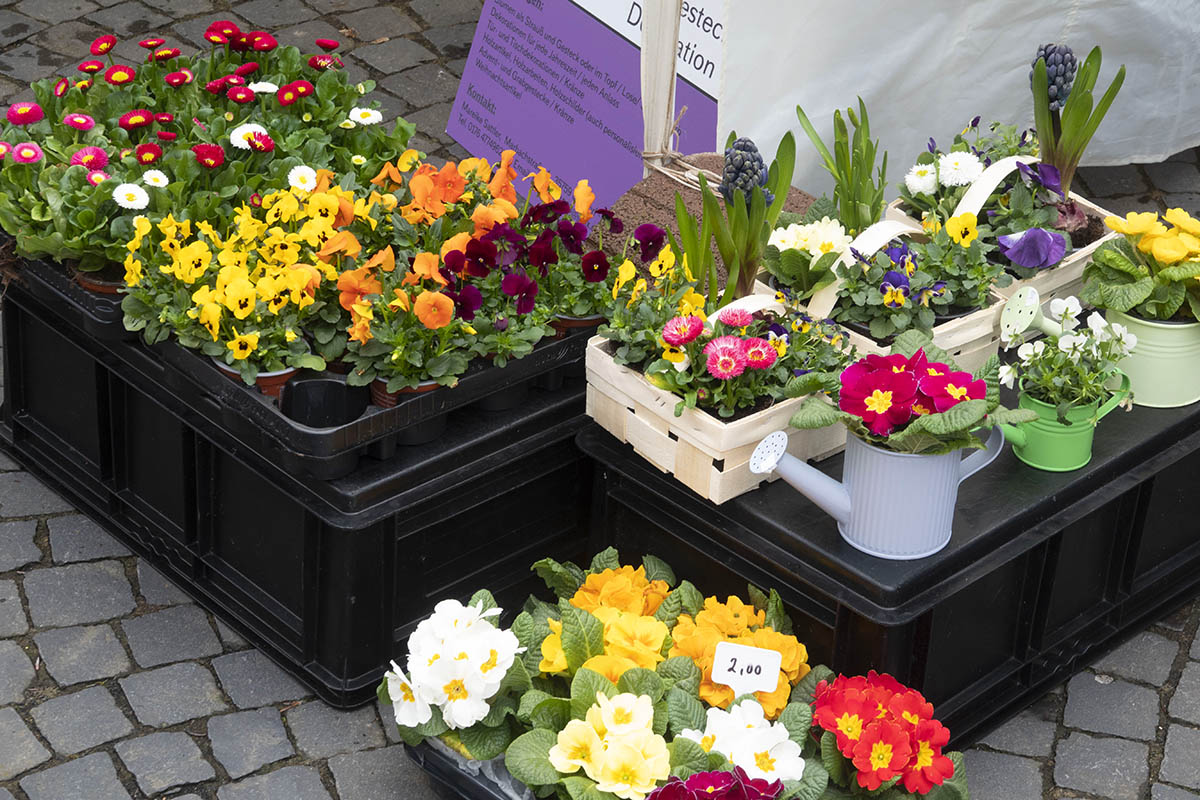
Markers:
point(563, 325)
point(269, 383)
point(381, 397)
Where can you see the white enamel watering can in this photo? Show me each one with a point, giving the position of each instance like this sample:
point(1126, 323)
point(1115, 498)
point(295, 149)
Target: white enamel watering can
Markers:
point(897, 506)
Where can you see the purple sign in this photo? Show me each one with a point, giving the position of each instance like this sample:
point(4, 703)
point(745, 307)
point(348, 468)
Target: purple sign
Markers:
point(549, 80)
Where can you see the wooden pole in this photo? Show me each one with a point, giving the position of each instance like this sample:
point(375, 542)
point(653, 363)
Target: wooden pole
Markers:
point(660, 38)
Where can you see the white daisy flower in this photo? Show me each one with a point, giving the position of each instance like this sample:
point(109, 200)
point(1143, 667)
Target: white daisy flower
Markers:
point(239, 135)
point(959, 169)
point(263, 87)
point(348, 124)
point(302, 177)
point(922, 179)
point(132, 196)
point(306, 117)
point(365, 116)
point(156, 178)
point(358, 160)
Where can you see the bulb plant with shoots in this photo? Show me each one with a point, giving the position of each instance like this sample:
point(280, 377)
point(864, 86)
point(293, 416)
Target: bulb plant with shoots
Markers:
point(858, 195)
point(1067, 118)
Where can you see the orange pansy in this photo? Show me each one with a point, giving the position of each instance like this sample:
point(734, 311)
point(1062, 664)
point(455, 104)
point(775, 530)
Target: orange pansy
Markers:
point(501, 184)
point(433, 309)
point(354, 284)
point(425, 267)
point(385, 259)
point(343, 242)
point(389, 177)
point(584, 197)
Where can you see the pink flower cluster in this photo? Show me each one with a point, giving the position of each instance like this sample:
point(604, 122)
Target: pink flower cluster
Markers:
point(730, 356)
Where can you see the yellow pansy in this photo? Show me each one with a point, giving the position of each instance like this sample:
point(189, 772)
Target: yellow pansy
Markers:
point(242, 345)
point(273, 292)
point(930, 223)
point(407, 160)
point(962, 229)
point(664, 264)
point(133, 270)
point(625, 273)
point(192, 262)
point(284, 209)
point(141, 227)
point(639, 289)
point(239, 297)
point(692, 305)
point(204, 227)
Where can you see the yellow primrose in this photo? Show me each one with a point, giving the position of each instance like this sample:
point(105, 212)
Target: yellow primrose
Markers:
point(633, 765)
point(243, 345)
point(610, 666)
point(638, 638)
point(133, 270)
point(553, 658)
point(141, 227)
point(962, 229)
point(240, 296)
point(625, 273)
point(1168, 250)
point(1134, 223)
point(578, 745)
point(625, 714)
point(1183, 221)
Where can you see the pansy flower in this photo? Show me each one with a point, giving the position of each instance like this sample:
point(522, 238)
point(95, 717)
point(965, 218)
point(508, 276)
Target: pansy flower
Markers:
point(477, 260)
point(543, 253)
point(1036, 248)
point(466, 301)
point(572, 235)
point(25, 113)
point(120, 74)
point(510, 245)
point(901, 257)
point(615, 225)
point(895, 289)
point(520, 286)
point(27, 153)
point(927, 293)
point(650, 239)
point(962, 229)
point(137, 118)
point(595, 266)
point(1042, 174)
point(90, 157)
point(545, 213)
point(91, 66)
point(102, 44)
point(147, 153)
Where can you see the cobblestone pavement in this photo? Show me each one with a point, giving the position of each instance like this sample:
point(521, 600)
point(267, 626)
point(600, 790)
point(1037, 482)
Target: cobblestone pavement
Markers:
point(113, 685)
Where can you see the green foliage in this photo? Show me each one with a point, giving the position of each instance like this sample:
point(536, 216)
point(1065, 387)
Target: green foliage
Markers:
point(682, 672)
point(686, 711)
point(528, 758)
point(687, 758)
point(858, 194)
point(658, 570)
point(1122, 278)
point(584, 687)
point(562, 579)
point(582, 635)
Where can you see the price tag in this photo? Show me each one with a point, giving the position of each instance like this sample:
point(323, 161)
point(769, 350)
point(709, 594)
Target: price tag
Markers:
point(746, 669)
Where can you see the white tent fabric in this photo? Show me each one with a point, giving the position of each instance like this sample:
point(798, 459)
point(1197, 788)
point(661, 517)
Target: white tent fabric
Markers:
point(926, 67)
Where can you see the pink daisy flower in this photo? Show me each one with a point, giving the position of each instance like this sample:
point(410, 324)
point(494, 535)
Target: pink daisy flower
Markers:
point(25, 113)
point(26, 153)
point(60, 88)
point(80, 122)
point(91, 157)
point(760, 354)
point(726, 361)
point(97, 176)
point(735, 317)
point(681, 330)
point(5, 149)
point(260, 142)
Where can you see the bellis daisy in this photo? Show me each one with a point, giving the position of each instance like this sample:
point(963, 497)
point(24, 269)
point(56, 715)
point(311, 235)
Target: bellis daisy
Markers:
point(263, 87)
point(155, 178)
point(239, 137)
point(302, 177)
point(921, 179)
point(97, 176)
point(366, 116)
point(26, 153)
point(90, 157)
point(119, 74)
point(358, 160)
point(348, 124)
point(959, 169)
point(24, 113)
point(131, 196)
point(5, 149)
point(80, 122)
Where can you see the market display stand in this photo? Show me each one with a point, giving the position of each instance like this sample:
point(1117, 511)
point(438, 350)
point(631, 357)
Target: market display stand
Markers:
point(1044, 571)
point(328, 575)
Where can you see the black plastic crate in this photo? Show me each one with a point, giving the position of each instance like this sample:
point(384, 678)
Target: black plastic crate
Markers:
point(1043, 573)
point(328, 576)
point(325, 448)
point(450, 782)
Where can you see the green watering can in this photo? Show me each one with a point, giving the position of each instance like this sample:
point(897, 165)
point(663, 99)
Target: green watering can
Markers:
point(1046, 443)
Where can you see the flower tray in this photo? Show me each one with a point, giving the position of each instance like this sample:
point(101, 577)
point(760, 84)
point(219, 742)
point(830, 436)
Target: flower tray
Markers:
point(709, 456)
point(327, 576)
point(324, 448)
point(458, 779)
point(1044, 572)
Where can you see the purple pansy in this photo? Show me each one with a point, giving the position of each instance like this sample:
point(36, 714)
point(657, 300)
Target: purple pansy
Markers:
point(572, 235)
point(510, 245)
point(545, 213)
point(477, 260)
point(651, 239)
point(595, 266)
point(1037, 248)
point(466, 302)
point(522, 287)
point(1043, 174)
point(895, 289)
point(542, 252)
point(615, 225)
point(929, 292)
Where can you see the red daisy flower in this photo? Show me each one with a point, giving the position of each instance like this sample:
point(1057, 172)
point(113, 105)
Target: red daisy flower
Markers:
point(209, 155)
point(260, 142)
point(61, 87)
point(84, 85)
point(224, 26)
point(234, 80)
point(216, 37)
point(215, 86)
point(147, 153)
point(264, 42)
point(256, 200)
point(166, 136)
point(164, 117)
point(150, 44)
point(303, 88)
point(187, 73)
point(325, 62)
point(5, 149)
point(165, 54)
point(328, 45)
point(175, 79)
point(249, 68)
point(91, 66)
point(137, 118)
point(287, 95)
point(103, 44)
point(725, 357)
point(240, 94)
point(119, 74)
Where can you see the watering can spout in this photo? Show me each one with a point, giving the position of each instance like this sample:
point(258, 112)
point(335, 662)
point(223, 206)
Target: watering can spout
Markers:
point(1014, 434)
point(771, 456)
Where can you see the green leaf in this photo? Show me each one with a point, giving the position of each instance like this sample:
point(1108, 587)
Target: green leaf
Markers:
point(797, 718)
point(758, 598)
point(658, 570)
point(517, 680)
point(582, 635)
point(530, 701)
point(812, 783)
point(559, 578)
point(685, 710)
point(582, 788)
point(954, 788)
point(687, 758)
point(1011, 416)
point(528, 758)
point(803, 692)
point(669, 609)
point(833, 760)
point(553, 713)
point(642, 682)
point(483, 598)
point(682, 672)
point(690, 598)
point(776, 617)
point(961, 417)
point(815, 412)
point(605, 559)
point(483, 742)
point(584, 688)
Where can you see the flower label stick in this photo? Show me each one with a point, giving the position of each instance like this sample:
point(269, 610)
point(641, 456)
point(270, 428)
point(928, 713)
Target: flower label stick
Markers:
point(746, 669)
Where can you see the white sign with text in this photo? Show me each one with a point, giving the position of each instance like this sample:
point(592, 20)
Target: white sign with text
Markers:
point(746, 669)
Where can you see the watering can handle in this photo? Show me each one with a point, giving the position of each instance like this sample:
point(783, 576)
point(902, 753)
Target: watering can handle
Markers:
point(981, 458)
point(1118, 396)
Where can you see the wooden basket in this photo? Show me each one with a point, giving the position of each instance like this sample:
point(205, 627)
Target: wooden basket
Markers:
point(707, 455)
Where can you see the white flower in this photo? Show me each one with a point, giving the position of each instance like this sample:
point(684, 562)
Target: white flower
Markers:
point(1072, 344)
point(130, 195)
point(348, 124)
point(365, 116)
point(410, 710)
point(1121, 335)
point(1030, 351)
point(959, 169)
point(456, 686)
point(921, 179)
point(358, 160)
point(239, 135)
point(263, 87)
point(769, 754)
point(1008, 375)
point(1066, 311)
point(682, 366)
point(302, 177)
point(492, 651)
point(156, 178)
point(625, 713)
point(1099, 327)
point(786, 238)
point(826, 236)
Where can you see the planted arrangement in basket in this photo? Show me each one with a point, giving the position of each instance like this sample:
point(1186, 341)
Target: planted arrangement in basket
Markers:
point(620, 702)
point(204, 131)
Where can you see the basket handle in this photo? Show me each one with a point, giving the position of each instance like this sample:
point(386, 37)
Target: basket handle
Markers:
point(987, 182)
point(869, 242)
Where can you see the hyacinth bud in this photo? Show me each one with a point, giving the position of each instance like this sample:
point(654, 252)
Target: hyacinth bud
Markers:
point(1060, 72)
point(744, 169)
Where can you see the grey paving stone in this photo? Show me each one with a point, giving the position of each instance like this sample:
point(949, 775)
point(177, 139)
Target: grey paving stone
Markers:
point(16, 545)
point(388, 717)
point(1180, 764)
point(377, 21)
point(157, 588)
point(1195, 651)
point(305, 35)
point(375, 774)
point(162, 760)
point(1112, 768)
point(452, 40)
point(75, 655)
point(70, 39)
point(76, 722)
point(390, 106)
point(322, 731)
point(1119, 708)
point(60, 11)
point(432, 121)
point(78, 538)
point(186, 8)
point(1160, 791)
point(21, 494)
point(1147, 657)
point(15, 27)
point(20, 751)
point(1109, 181)
point(129, 19)
point(447, 12)
point(1029, 733)
point(392, 56)
point(173, 634)
point(1188, 201)
point(422, 86)
point(13, 621)
point(78, 593)
point(294, 783)
point(230, 637)
point(996, 776)
point(248, 740)
point(16, 672)
point(92, 777)
point(457, 66)
point(251, 680)
point(168, 695)
point(271, 14)
point(1123, 205)
point(1185, 703)
point(339, 6)
point(1174, 176)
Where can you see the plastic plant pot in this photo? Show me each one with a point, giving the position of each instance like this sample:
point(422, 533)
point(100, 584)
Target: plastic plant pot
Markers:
point(321, 401)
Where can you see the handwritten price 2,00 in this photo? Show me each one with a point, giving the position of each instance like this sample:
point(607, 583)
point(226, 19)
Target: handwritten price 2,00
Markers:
point(745, 669)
